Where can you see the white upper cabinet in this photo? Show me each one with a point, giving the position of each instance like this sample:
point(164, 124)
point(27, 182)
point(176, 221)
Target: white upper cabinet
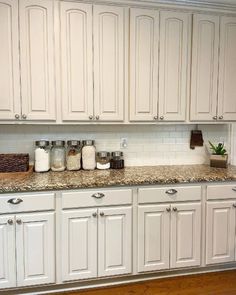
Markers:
point(10, 107)
point(144, 38)
point(37, 59)
point(109, 50)
point(227, 69)
point(76, 61)
point(204, 77)
point(174, 58)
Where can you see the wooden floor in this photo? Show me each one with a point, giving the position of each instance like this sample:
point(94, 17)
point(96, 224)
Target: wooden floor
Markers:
point(221, 283)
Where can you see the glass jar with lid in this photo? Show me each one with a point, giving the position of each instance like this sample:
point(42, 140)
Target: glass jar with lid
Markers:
point(103, 160)
point(58, 155)
point(42, 156)
point(73, 155)
point(117, 160)
point(89, 155)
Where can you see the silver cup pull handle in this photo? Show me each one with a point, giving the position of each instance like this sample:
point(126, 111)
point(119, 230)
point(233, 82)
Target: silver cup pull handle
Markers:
point(15, 201)
point(234, 189)
point(98, 195)
point(171, 191)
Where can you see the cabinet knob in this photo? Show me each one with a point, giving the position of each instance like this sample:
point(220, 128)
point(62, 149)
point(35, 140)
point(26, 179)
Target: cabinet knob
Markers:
point(171, 191)
point(15, 201)
point(17, 116)
point(90, 117)
point(98, 195)
point(10, 221)
point(168, 209)
point(175, 209)
point(155, 118)
point(18, 221)
point(95, 214)
point(24, 116)
point(220, 117)
point(97, 117)
point(161, 118)
point(102, 214)
point(234, 205)
point(214, 118)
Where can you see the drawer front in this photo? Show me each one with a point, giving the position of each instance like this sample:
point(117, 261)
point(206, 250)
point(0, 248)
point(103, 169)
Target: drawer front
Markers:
point(80, 199)
point(13, 203)
point(169, 194)
point(226, 191)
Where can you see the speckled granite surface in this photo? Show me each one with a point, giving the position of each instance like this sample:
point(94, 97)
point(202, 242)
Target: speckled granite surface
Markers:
point(128, 176)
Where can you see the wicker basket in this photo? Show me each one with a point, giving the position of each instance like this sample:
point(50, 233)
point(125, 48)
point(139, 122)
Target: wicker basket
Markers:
point(14, 162)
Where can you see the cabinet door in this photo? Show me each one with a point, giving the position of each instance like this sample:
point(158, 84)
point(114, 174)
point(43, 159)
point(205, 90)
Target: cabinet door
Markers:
point(109, 48)
point(35, 245)
point(37, 59)
point(220, 232)
point(79, 244)
point(114, 242)
point(76, 61)
point(227, 69)
point(205, 59)
point(144, 38)
point(153, 237)
point(9, 61)
point(185, 235)
point(174, 57)
point(7, 252)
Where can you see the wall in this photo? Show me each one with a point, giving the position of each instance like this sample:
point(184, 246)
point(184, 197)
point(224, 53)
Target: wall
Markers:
point(147, 145)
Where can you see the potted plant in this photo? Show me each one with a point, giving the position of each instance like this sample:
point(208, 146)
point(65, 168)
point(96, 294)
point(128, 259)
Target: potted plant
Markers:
point(219, 157)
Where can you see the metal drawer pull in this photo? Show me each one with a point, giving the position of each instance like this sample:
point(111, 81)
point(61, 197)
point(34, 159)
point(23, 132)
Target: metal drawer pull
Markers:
point(171, 191)
point(234, 189)
point(168, 209)
point(18, 221)
point(95, 214)
point(10, 221)
point(102, 214)
point(15, 201)
point(175, 209)
point(98, 195)
point(234, 205)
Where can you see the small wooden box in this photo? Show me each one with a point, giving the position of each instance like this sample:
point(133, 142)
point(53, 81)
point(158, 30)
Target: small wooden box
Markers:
point(14, 162)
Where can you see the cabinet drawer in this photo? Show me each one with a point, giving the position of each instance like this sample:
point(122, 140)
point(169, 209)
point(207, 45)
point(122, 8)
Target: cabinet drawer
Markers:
point(24, 203)
point(226, 191)
point(98, 197)
point(169, 194)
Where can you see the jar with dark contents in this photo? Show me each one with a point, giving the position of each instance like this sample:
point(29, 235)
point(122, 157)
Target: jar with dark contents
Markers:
point(117, 160)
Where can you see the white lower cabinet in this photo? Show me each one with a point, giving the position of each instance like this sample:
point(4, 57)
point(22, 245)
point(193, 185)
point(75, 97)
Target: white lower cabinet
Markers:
point(169, 236)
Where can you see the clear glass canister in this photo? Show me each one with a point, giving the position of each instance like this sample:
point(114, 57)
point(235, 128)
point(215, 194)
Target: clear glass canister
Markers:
point(42, 156)
point(103, 160)
point(58, 155)
point(89, 155)
point(117, 160)
point(73, 155)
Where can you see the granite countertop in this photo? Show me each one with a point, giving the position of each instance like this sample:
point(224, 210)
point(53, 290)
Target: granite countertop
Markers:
point(125, 177)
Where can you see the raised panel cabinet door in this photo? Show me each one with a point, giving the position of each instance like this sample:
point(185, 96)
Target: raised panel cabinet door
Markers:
point(227, 69)
point(109, 59)
point(35, 248)
point(37, 59)
point(185, 235)
point(220, 232)
point(7, 252)
point(76, 61)
point(10, 106)
point(114, 241)
point(153, 237)
point(79, 244)
point(204, 71)
point(144, 38)
point(174, 60)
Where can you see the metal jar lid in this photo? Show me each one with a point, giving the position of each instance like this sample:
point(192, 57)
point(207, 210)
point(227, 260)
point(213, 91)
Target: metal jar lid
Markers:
point(58, 143)
point(73, 142)
point(88, 142)
point(103, 154)
point(117, 154)
point(42, 143)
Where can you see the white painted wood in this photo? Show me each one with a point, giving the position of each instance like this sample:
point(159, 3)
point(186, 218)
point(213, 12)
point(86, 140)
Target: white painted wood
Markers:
point(173, 78)
point(144, 38)
point(164, 194)
point(76, 61)
point(153, 237)
point(9, 61)
point(30, 202)
point(35, 248)
point(37, 59)
point(205, 59)
point(87, 198)
point(114, 241)
point(79, 244)
point(222, 191)
point(109, 47)
point(227, 69)
point(7, 252)
point(185, 235)
point(220, 232)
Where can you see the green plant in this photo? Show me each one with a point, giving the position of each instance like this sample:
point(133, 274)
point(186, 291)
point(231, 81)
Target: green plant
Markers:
point(218, 149)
